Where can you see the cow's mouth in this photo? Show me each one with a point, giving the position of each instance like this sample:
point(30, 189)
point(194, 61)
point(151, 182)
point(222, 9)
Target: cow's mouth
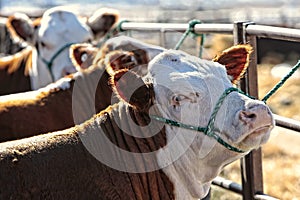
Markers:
point(260, 131)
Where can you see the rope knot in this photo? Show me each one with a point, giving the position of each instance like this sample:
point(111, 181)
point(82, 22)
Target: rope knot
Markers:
point(192, 24)
point(119, 26)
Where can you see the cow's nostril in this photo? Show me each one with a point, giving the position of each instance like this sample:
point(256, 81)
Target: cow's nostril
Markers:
point(247, 116)
point(252, 116)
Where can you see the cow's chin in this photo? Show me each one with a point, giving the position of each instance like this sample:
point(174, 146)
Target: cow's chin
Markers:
point(256, 137)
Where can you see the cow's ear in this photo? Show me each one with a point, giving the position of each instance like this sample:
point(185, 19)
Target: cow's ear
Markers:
point(131, 88)
point(82, 55)
point(118, 60)
point(102, 21)
point(236, 60)
point(21, 28)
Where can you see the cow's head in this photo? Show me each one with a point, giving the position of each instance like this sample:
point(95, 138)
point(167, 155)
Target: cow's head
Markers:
point(186, 89)
point(84, 55)
point(52, 35)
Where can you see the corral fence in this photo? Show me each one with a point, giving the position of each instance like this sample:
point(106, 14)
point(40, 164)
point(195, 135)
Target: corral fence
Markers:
point(242, 32)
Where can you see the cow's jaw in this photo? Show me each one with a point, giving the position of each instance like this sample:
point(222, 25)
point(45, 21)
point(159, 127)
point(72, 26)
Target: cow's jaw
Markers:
point(39, 74)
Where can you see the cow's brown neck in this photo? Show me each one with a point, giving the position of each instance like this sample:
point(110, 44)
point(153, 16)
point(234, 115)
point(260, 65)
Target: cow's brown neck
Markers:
point(148, 185)
point(14, 73)
point(52, 109)
point(58, 165)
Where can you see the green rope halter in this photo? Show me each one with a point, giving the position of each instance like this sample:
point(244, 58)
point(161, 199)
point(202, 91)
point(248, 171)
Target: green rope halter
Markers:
point(209, 129)
point(49, 63)
point(191, 30)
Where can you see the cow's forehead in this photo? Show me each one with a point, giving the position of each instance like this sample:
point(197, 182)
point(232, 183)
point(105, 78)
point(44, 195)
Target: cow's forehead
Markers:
point(173, 66)
point(62, 22)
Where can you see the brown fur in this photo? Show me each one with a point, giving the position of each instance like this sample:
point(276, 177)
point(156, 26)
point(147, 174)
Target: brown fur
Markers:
point(14, 72)
point(52, 110)
point(236, 60)
point(140, 55)
point(77, 51)
point(58, 166)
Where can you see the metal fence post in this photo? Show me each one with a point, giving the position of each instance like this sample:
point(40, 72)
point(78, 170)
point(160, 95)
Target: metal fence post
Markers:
point(251, 164)
point(162, 37)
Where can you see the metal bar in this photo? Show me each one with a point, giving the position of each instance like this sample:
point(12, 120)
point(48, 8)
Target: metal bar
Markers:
point(252, 29)
point(237, 188)
point(228, 185)
point(264, 197)
point(178, 27)
point(287, 123)
point(251, 164)
point(162, 38)
point(280, 33)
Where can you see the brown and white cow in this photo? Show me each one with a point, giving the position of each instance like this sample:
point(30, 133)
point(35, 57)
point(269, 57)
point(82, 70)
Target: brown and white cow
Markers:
point(143, 52)
point(49, 39)
point(49, 109)
point(125, 153)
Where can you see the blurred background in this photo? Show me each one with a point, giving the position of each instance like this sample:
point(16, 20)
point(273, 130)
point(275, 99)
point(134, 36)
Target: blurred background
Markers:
point(281, 166)
point(273, 12)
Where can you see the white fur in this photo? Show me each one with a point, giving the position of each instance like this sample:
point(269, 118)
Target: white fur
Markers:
point(63, 84)
point(186, 90)
point(58, 28)
point(123, 41)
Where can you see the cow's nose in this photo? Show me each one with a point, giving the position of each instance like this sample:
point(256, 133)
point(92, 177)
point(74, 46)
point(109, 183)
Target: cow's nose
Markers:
point(257, 114)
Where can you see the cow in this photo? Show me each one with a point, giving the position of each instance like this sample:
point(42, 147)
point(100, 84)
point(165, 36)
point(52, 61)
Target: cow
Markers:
point(50, 109)
point(150, 144)
point(46, 58)
point(143, 52)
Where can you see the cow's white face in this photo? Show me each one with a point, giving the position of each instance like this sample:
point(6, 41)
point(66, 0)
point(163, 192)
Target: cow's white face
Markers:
point(53, 34)
point(59, 28)
point(186, 90)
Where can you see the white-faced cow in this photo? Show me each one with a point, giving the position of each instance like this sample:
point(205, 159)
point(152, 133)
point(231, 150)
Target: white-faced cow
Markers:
point(50, 109)
point(153, 144)
point(49, 39)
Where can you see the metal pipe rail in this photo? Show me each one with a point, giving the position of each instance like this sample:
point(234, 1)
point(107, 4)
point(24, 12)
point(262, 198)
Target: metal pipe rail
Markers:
point(290, 34)
point(177, 27)
point(272, 32)
point(287, 123)
point(237, 188)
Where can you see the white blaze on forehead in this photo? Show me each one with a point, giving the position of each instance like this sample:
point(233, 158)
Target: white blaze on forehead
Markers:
point(62, 25)
point(177, 70)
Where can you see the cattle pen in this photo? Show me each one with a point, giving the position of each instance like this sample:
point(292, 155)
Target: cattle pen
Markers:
point(242, 32)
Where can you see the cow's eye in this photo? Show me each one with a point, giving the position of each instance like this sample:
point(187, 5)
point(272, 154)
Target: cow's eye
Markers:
point(178, 98)
point(43, 44)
